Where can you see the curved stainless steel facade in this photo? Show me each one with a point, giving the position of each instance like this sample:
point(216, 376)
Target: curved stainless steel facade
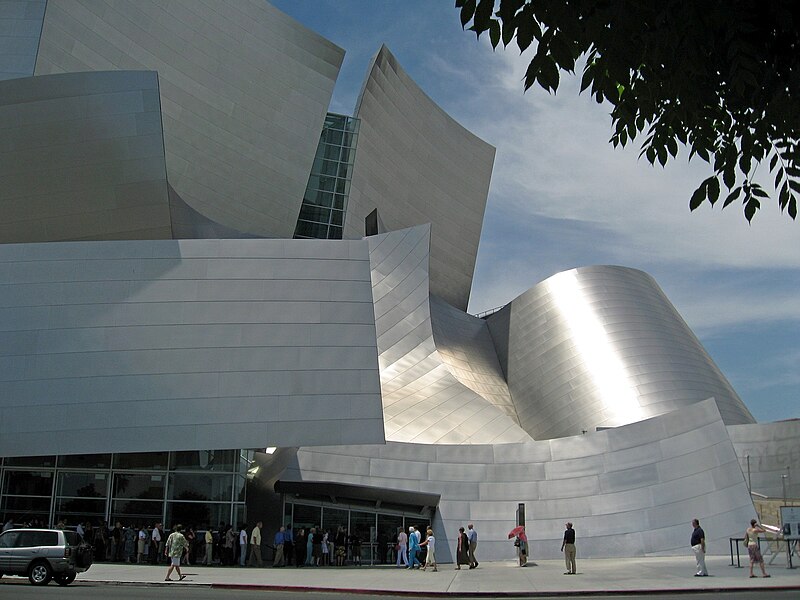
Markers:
point(767, 452)
point(244, 93)
point(422, 399)
point(192, 344)
point(601, 347)
point(416, 165)
point(82, 157)
point(630, 491)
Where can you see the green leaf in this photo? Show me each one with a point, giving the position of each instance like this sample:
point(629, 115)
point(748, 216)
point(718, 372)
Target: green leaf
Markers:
point(698, 196)
point(712, 185)
point(494, 33)
point(467, 11)
point(732, 196)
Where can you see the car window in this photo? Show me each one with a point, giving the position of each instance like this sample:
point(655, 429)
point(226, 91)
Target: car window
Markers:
point(73, 538)
point(8, 539)
point(30, 539)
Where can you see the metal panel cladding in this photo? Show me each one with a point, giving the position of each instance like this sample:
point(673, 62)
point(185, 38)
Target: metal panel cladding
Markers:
point(769, 454)
point(630, 491)
point(138, 346)
point(20, 26)
point(244, 93)
point(417, 165)
point(602, 346)
point(425, 400)
point(82, 157)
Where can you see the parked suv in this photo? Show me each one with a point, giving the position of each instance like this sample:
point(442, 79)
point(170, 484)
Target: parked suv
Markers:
point(44, 554)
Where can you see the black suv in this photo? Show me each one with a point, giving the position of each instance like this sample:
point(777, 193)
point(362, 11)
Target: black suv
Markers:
point(44, 554)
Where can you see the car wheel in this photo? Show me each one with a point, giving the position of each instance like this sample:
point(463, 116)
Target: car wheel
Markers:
point(65, 579)
point(40, 573)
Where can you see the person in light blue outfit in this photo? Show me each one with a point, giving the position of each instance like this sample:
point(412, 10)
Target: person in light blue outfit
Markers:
point(413, 548)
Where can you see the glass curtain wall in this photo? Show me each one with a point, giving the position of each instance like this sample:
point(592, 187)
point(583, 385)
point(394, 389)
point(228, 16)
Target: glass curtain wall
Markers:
point(325, 201)
point(376, 529)
point(200, 488)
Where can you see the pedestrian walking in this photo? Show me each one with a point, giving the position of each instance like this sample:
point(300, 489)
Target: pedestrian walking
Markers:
point(430, 557)
point(472, 536)
point(176, 546)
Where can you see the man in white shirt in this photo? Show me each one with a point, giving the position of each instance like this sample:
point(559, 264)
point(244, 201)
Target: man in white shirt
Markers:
point(242, 545)
point(156, 544)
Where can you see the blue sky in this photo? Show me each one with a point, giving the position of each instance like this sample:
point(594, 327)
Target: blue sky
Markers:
point(562, 197)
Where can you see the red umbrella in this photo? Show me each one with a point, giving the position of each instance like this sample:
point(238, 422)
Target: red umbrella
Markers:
point(516, 531)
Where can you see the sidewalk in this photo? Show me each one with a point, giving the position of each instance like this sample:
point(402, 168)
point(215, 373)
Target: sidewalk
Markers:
point(489, 579)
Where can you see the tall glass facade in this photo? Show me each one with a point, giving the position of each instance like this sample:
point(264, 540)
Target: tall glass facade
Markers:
point(196, 488)
point(325, 201)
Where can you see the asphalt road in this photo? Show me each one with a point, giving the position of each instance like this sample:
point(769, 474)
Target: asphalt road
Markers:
point(19, 588)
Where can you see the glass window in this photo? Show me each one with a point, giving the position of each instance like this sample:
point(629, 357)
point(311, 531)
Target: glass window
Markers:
point(25, 508)
point(318, 198)
point(200, 487)
point(315, 214)
point(337, 216)
point(363, 525)
point(333, 136)
point(139, 486)
point(338, 202)
point(307, 516)
point(333, 518)
point(330, 151)
point(82, 485)
point(344, 170)
point(204, 460)
point(77, 510)
point(9, 539)
point(28, 483)
point(342, 186)
point(335, 233)
point(85, 461)
point(142, 511)
point(31, 461)
point(312, 230)
point(141, 460)
point(239, 488)
point(197, 514)
point(31, 539)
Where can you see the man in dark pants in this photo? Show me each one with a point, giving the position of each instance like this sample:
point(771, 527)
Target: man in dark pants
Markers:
point(568, 548)
point(288, 545)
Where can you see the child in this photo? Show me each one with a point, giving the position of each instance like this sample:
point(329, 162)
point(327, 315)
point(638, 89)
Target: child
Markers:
point(430, 559)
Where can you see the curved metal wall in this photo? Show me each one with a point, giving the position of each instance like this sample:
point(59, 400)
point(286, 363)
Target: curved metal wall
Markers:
point(82, 157)
point(630, 491)
point(422, 400)
point(20, 26)
point(416, 165)
point(603, 346)
point(244, 93)
point(181, 345)
point(774, 451)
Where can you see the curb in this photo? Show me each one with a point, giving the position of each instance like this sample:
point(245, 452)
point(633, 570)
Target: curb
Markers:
point(467, 594)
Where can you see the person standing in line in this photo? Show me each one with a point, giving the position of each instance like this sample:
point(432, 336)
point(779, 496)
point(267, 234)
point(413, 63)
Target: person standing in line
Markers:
point(413, 549)
point(155, 541)
point(472, 536)
point(255, 546)
point(243, 545)
point(430, 557)
point(140, 544)
point(402, 548)
point(176, 546)
point(288, 545)
point(698, 543)
point(462, 549)
point(278, 541)
point(751, 539)
point(209, 539)
point(568, 548)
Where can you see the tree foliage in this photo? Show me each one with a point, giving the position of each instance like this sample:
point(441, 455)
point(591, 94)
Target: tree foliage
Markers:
point(720, 77)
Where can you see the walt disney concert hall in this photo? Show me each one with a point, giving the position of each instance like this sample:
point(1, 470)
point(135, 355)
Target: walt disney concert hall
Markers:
point(221, 303)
